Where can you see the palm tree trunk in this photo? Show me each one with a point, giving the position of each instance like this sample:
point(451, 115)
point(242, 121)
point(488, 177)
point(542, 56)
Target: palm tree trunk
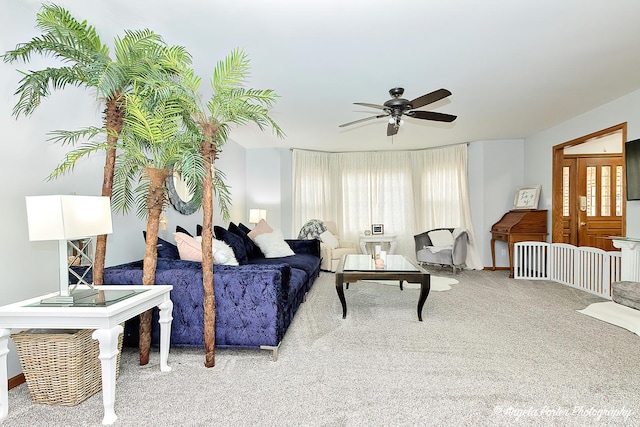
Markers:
point(208, 153)
point(114, 116)
point(155, 203)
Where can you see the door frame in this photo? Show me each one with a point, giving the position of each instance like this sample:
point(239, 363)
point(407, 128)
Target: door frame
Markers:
point(556, 180)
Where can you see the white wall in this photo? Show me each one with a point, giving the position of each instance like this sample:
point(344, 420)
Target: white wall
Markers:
point(269, 185)
point(538, 148)
point(495, 171)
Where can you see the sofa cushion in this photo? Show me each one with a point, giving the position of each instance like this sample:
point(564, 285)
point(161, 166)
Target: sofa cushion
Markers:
point(441, 238)
point(234, 241)
point(251, 248)
point(260, 228)
point(190, 249)
point(165, 249)
point(183, 230)
point(308, 263)
point(273, 245)
point(329, 239)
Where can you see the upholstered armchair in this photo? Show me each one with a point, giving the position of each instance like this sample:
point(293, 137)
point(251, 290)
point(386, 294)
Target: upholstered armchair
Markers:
point(332, 248)
point(443, 246)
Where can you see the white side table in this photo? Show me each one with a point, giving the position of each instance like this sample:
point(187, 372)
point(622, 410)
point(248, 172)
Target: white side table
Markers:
point(122, 303)
point(378, 238)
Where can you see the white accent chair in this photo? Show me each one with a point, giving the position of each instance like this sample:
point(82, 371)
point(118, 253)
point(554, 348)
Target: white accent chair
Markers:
point(443, 246)
point(331, 251)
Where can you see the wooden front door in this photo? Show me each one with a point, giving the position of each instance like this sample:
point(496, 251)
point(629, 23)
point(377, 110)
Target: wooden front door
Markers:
point(588, 195)
point(593, 194)
point(600, 198)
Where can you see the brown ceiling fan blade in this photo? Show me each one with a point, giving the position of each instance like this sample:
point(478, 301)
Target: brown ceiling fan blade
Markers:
point(392, 129)
point(431, 115)
point(434, 96)
point(364, 104)
point(361, 120)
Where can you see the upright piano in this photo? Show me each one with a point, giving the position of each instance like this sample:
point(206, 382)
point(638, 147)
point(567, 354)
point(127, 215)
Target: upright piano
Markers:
point(518, 226)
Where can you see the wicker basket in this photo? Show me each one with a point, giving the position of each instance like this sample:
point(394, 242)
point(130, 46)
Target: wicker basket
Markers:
point(61, 366)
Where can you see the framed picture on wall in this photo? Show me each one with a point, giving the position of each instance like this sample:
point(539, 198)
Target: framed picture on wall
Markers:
point(527, 197)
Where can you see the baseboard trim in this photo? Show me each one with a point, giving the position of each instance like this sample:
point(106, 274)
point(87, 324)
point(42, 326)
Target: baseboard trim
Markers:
point(496, 268)
point(16, 381)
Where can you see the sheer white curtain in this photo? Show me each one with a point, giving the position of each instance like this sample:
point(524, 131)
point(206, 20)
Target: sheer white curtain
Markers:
point(407, 191)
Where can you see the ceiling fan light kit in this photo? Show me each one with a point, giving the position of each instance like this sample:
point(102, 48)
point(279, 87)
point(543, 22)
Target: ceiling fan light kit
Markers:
point(396, 107)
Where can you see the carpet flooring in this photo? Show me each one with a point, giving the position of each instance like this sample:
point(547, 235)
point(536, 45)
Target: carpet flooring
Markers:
point(437, 283)
point(492, 351)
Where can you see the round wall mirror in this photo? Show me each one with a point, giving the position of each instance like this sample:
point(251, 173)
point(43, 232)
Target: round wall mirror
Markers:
point(182, 199)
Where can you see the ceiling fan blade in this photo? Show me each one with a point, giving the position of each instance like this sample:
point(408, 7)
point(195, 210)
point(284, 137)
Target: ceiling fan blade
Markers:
point(362, 120)
point(434, 96)
point(379, 107)
point(431, 115)
point(392, 129)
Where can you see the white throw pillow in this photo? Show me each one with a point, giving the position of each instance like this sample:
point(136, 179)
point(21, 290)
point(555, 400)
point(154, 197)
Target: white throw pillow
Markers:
point(441, 238)
point(329, 239)
point(273, 245)
point(192, 250)
point(222, 253)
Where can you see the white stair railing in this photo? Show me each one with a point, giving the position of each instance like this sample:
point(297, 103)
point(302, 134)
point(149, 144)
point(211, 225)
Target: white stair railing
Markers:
point(590, 269)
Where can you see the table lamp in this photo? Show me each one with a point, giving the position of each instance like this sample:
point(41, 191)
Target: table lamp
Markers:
point(255, 215)
point(64, 218)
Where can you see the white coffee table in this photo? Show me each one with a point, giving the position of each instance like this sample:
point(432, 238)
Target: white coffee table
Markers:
point(124, 302)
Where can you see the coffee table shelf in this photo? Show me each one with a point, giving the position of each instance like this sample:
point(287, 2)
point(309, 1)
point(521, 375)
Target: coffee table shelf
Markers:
point(397, 267)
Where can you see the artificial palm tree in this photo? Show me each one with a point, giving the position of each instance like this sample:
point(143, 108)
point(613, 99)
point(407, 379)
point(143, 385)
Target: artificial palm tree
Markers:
point(230, 104)
point(156, 138)
point(87, 63)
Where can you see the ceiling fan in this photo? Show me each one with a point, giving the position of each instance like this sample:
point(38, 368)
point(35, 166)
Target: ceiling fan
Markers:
point(396, 107)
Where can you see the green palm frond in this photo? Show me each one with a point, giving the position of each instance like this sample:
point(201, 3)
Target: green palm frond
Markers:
point(231, 103)
point(127, 173)
point(56, 20)
point(155, 135)
point(63, 38)
point(36, 85)
point(72, 137)
point(230, 72)
point(140, 202)
point(70, 159)
point(222, 193)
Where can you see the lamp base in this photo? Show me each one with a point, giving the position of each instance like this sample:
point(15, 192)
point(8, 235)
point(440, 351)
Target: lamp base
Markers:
point(70, 299)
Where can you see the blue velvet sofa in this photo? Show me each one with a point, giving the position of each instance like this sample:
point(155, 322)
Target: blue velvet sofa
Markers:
point(255, 301)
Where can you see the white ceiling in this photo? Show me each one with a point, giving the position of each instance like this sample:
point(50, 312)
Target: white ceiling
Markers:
point(515, 67)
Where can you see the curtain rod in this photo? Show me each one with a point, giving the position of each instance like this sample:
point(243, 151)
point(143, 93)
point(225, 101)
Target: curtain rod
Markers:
point(377, 151)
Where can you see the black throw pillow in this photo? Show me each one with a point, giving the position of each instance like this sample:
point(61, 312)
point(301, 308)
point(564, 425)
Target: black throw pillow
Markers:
point(182, 230)
point(234, 241)
point(198, 230)
point(252, 249)
point(165, 249)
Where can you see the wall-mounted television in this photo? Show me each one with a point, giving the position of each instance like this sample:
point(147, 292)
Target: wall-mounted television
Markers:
point(632, 168)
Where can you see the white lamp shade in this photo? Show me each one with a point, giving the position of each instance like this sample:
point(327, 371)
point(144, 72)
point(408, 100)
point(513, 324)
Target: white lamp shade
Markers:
point(64, 217)
point(255, 215)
